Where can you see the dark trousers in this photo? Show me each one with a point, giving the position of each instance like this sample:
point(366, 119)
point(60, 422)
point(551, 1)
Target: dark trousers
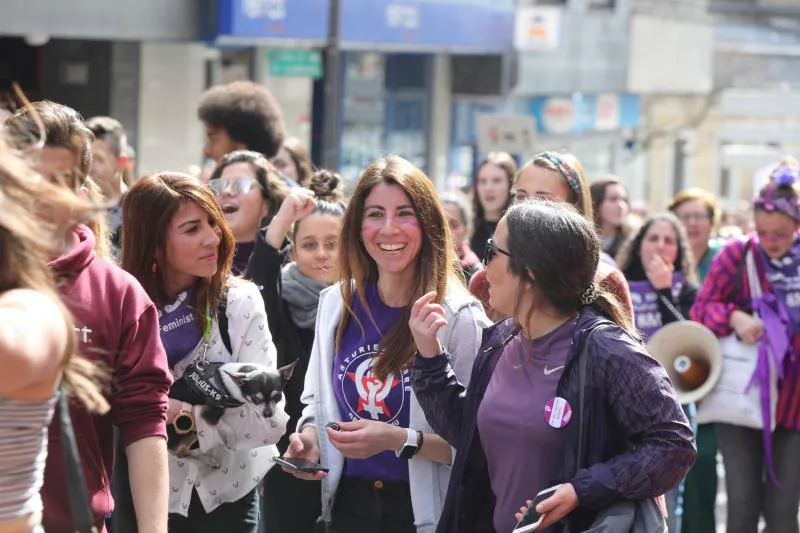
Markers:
point(289, 505)
point(700, 491)
point(751, 492)
point(240, 516)
point(123, 519)
point(369, 506)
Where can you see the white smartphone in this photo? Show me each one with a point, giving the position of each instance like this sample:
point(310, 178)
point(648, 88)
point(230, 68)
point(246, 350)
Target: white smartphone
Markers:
point(531, 518)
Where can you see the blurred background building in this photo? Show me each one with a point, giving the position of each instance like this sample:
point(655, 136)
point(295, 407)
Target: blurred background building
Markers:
point(664, 93)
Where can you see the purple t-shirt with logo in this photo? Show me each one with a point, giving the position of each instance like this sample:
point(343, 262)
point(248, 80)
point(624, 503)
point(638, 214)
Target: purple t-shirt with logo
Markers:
point(361, 395)
point(784, 276)
point(524, 451)
point(646, 312)
point(180, 329)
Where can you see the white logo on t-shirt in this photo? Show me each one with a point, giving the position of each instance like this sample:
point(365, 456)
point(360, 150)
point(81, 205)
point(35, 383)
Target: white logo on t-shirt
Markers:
point(548, 371)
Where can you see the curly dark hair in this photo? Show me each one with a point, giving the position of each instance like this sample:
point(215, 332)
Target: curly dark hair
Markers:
point(249, 114)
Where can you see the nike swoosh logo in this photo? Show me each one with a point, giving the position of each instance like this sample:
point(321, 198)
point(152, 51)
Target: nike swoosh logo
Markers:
point(548, 371)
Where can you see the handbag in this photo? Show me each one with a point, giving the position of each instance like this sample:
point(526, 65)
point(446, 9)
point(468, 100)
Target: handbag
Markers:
point(627, 516)
point(77, 494)
point(748, 372)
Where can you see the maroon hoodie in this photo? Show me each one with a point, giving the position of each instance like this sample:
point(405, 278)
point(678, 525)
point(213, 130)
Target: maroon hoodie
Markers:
point(116, 323)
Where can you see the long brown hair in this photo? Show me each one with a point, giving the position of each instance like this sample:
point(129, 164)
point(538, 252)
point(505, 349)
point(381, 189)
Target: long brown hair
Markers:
point(434, 266)
point(300, 158)
point(147, 209)
point(36, 219)
point(506, 162)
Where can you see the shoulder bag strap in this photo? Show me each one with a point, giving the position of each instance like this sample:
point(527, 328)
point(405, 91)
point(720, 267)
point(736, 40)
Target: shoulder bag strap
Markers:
point(583, 362)
point(77, 494)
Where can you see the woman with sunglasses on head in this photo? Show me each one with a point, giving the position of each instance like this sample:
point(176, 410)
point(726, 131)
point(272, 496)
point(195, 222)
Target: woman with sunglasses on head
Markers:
point(250, 191)
point(516, 425)
point(755, 484)
point(559, 177)
point(388, 469)
point(311, 219)
point(177, 244)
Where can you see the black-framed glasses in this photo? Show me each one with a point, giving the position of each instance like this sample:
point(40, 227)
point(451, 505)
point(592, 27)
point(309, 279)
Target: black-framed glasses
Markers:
point(491, 252)
point(239, 186)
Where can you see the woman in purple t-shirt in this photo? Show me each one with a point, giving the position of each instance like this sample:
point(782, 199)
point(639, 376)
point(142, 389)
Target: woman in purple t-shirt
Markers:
point(516, 426)
point(388, 470)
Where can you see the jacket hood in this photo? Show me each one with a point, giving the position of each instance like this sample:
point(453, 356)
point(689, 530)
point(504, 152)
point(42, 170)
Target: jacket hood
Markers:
point(80, 253)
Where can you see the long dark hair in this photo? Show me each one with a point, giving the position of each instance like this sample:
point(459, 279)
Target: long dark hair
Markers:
point(509, 166)
point(629, 259)
point(553, 244)
point(435, 264)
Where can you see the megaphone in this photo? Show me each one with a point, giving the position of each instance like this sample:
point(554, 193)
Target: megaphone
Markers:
point(691, 355)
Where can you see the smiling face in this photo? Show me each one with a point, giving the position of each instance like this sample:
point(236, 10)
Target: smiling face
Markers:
point(315, 246)
point(542, 184)
point(660, 239)
point(191, 247)
point(390, 230)
point(243, 212)
point(491, 186)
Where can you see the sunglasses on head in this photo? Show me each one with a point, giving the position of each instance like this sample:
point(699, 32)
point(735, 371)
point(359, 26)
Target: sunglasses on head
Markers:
point(239, 186)
point(491, 252)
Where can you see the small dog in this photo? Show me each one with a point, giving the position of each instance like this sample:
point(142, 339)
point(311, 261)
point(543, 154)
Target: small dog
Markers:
point(218, 386)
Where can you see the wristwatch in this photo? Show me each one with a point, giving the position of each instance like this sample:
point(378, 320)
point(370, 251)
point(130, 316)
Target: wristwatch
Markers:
point(183, 422)
point(412, 445)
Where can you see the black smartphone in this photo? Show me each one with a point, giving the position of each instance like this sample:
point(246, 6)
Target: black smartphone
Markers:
point(301, 465)
point(528, 522)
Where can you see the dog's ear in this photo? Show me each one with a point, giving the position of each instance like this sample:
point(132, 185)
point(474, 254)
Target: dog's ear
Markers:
point(238, 377)
point(287, 370)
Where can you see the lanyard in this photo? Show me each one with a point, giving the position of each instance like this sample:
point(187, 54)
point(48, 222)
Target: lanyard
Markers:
point(206, 331)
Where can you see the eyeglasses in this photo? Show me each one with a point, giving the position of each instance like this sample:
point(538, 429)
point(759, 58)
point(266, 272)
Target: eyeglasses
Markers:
point(491, 252)
point(239, 186)
point(694, 217)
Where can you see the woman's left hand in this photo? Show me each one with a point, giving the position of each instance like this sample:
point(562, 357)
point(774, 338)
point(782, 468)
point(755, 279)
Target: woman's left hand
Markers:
point(659, 272)
point(364, 438)
point(554, 508)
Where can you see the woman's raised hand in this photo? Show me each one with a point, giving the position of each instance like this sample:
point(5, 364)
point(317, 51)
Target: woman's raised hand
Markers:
point(427, 318)
point(297, 205)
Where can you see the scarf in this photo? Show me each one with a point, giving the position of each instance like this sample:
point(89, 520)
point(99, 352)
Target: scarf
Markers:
point(302, 295)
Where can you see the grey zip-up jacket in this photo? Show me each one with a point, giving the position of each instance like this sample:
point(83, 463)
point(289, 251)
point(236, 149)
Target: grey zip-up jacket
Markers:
point(428, 480)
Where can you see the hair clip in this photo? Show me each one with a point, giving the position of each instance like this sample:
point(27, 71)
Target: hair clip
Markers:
point(784, 175)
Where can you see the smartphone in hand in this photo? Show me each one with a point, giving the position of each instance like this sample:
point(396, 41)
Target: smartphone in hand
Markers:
point(529, 521)
point(299, 465)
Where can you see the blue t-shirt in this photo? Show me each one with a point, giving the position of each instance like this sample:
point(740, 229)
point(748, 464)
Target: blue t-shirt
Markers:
point(361, 395)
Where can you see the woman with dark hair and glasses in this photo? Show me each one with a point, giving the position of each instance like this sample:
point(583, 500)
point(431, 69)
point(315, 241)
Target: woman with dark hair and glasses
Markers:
point(516, 425)
point(250, 191)
point(559, 177)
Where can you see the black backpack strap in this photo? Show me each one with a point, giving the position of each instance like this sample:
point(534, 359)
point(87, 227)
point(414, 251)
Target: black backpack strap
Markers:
point(222, 320)
point(77, 494)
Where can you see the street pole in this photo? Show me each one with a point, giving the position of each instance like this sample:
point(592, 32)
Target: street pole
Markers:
point(331, 121)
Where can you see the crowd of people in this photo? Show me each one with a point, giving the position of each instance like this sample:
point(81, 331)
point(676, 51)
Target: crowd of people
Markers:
point(442, 358)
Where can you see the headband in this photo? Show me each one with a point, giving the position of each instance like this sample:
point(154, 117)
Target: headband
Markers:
point(783, 176)
point(569, 173)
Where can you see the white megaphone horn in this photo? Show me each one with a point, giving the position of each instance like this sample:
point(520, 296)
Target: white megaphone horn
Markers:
point(691, 355)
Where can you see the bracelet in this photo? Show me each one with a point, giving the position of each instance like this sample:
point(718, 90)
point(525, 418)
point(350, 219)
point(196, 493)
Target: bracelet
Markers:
point(420, 440)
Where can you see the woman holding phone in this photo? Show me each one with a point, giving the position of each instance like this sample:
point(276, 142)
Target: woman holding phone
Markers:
point(388, 469)
point(515, 425)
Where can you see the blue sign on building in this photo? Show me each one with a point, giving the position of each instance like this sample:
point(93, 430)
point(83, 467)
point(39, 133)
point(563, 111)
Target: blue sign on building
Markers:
point(247, 21)
point(584, 113)
point(428, 25)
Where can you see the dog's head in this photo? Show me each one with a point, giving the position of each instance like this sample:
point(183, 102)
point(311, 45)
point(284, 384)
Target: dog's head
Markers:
point(259, 385)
